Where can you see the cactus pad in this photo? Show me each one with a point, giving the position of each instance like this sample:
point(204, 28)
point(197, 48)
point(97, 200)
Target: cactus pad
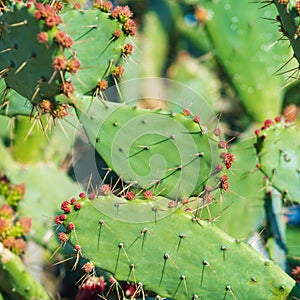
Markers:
point(97, 47)
point(169, 153)
point(178, 256)
point(44, 53)
point(26, 60)
point(278, 150)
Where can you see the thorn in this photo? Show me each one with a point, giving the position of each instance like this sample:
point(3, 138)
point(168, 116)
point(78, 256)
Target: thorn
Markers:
point(131, 270)
point(142, 235)
point(37, 89)
point(18, 24)
point(23, 64)
point(117, 262)
point(101, 223)
point(2, 72)
point(166, 257)
point(205, 263)
point(223, 249)
point(228, 289)
point(181, 237)
point(181, 279)
point(121, 246)
point(6, 50)
point(155, 210)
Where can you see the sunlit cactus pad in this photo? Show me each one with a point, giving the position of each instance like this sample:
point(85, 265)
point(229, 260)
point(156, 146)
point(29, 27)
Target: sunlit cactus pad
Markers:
point(176, 256)
point(170, 153)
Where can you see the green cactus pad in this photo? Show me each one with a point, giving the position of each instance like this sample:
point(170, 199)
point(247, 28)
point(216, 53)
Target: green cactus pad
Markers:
point(26, 62)
point(95, 46)
point(169, 153)
point(255, 59)
point(177, 256)
point(44, 54)
point(278, 150)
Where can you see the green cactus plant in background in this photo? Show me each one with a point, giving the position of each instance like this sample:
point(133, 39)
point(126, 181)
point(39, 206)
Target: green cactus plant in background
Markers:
point(179, 186)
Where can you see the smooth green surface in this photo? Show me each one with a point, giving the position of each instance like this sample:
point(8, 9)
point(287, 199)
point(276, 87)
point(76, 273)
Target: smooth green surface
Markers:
point(292, 239)
point(29, 139)
point(207, 270)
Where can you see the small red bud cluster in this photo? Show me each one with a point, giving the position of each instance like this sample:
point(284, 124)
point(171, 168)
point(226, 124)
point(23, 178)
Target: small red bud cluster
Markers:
point(56, 110)
point(224, 184)
point(105, 6)
point(118, 70)
point(127, 49)
point(47, 13)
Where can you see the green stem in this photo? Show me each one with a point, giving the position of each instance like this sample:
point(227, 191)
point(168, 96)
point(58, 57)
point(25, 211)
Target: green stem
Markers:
point(29, 139)
point(16, 281)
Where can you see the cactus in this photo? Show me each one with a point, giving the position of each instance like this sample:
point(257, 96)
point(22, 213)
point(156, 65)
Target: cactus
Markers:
point(48, 45)
point(14, 228)
point(278, 150)
point(157, 150)
point(177, 256)
point(153, 228)
point(16, 281)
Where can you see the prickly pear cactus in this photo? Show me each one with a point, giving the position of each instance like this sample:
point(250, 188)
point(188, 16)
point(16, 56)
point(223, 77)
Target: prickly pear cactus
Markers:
point(278, 150)
point(177, 255)
point(168, 153)
point(45, 53)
